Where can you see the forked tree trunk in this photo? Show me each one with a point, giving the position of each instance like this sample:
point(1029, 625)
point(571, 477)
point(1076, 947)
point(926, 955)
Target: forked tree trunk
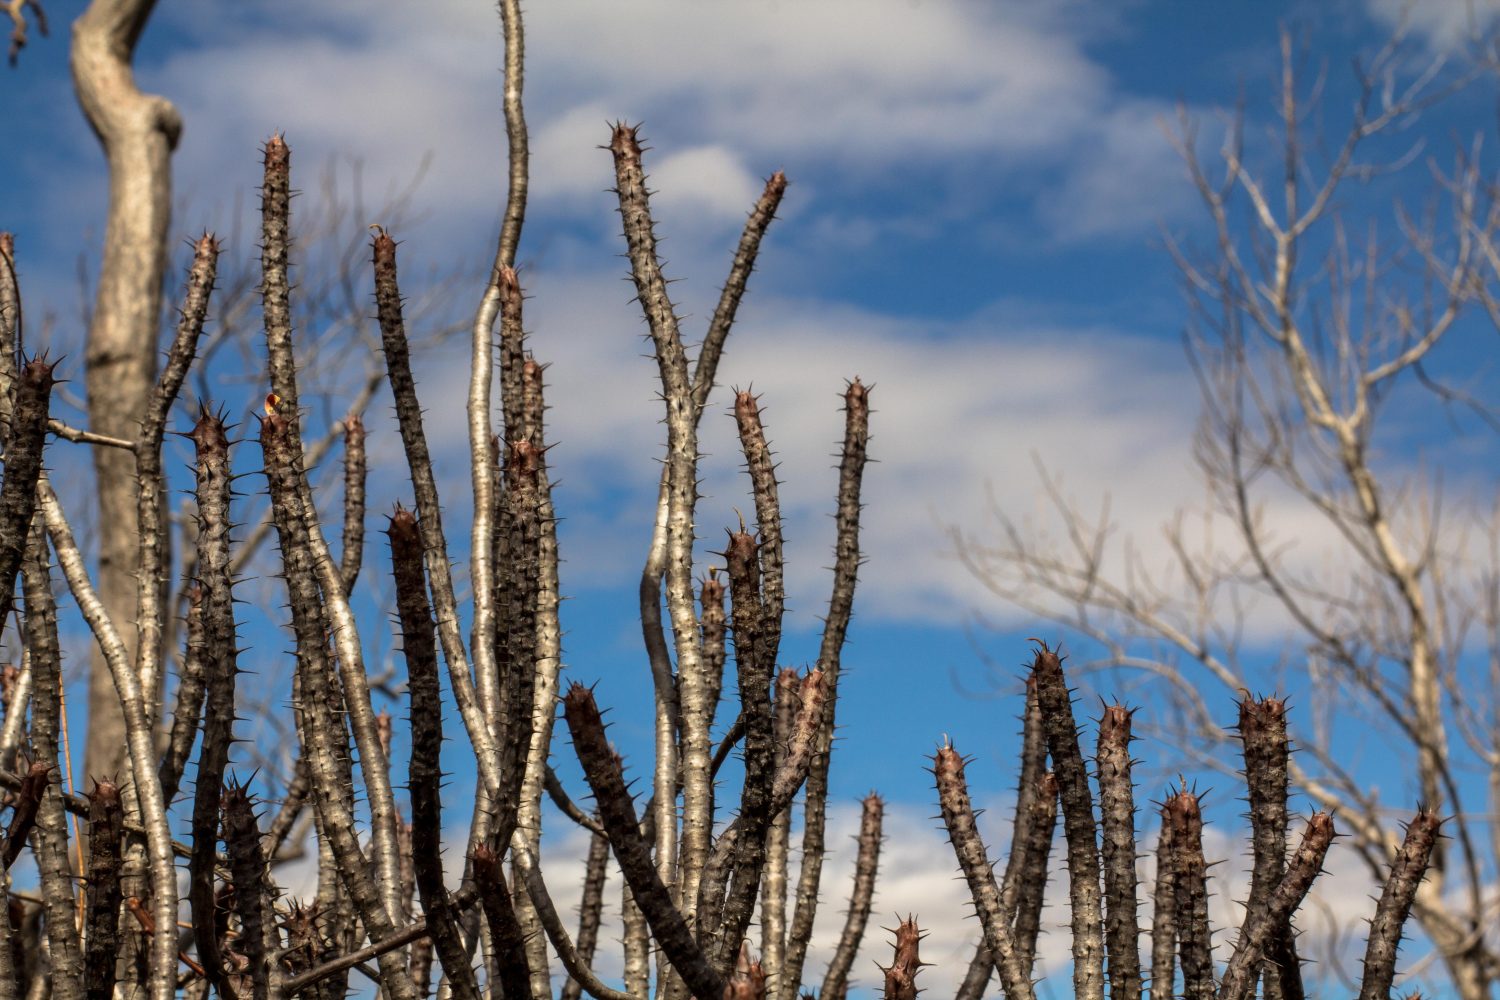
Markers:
point(138, 133)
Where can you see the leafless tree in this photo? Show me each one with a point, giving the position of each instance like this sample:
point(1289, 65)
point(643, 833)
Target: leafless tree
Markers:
point(1309, 326)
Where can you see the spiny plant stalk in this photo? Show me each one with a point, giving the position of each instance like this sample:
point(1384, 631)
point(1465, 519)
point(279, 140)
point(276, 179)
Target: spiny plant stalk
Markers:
point(691, 896)
point(254, 894)
point(218, 658)
point(901, 974)
point(420, 647)
point(973, 859)
point(601, 768)
point(1117, 823)
point(1078, 823)
point(1263, 732)
point(102, 913)
point(23, 466)
point(1194, 935)
point(1395, 904)
point(1262, 921)
point(866, 865)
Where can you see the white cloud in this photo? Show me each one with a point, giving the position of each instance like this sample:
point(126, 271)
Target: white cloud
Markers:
point(1443, 24)
point(872, 90)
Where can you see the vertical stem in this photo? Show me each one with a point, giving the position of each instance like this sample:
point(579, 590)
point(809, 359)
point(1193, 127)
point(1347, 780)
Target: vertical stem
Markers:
point(51, 824)
point(426, 747)
point(1190, 879)
point(1263, 731)
point(1117, 819)
point(1396, 898)
point(958, 817)
point(866, 864)
point(1078, 823)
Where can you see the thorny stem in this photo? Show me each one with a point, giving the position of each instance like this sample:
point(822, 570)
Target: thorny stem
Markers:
point(602, 768)
point(1263, 731)
point(1396, 898)
point(1117, 819)
point(866, 863)
point(319, 695)
point(674, 557)
point(846, 560)
point(1259, 926)
point(429, 511)
point(51, 827)
point(102, 919)
point(958, 817)
point(1078, 823)
point(590, 909)
point(426, 746)
point(1190, 878)
point(152, 584)
point(218, 663)
point(275, 306)
point(140, 736)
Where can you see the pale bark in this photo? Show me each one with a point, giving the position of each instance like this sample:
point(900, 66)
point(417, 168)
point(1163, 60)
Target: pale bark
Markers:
point(138, 133)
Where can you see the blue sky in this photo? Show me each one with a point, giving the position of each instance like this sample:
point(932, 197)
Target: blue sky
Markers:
point(979, 193)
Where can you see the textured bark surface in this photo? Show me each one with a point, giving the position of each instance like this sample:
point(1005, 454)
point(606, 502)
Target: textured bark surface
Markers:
point(138, 132)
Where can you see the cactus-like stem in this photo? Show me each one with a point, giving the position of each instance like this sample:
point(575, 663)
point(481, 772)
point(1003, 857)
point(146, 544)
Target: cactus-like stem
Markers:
point(846, 560)
point(762, 470)
point(254, 893)
point(23, 467)
point(1406, 874)
point(540, 682)
point(508, 939)
point(475, 695)
point(429, 511)
point(973, 858)
point(1034, 840)
point(319, 695)
point(590, 909)
point(733, 292)
point(515, 645)
point(901, 974)
point(866, 865)
point(426, 747)
point(1190, 883)
point(10, 327)
point(778, 838)
point(671, 556)
point(1261, 925)
point(356, 468)
point(1117, 820)
point(218, 658)
point(140, 736)
point(16, 685)
point(187, 715)
point(754, 675)
point(1078, 823)
point(635, 940)
point(40, 626)
point(738, 843)
point(1023, 889)
point(617, 813)
point(152, 572)
point(102, 906)
point(1263, 731)
point(1164, 907)
point(340, 621)
point(24, 809)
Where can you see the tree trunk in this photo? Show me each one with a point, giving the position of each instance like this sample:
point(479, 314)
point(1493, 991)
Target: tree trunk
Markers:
point(138, 133)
